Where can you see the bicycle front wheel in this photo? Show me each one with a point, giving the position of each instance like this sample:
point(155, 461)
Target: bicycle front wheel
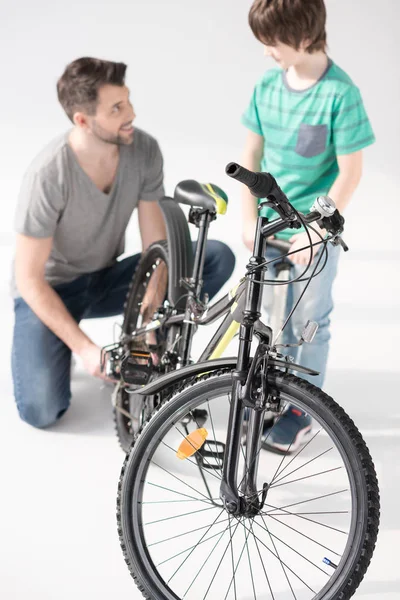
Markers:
point(313, 538)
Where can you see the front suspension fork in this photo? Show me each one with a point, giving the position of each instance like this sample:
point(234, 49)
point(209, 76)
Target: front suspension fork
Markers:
point(232, 483)
point(229, 491)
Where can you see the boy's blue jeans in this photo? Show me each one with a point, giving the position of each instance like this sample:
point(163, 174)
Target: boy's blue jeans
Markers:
point(316, 305)
point(41, 362)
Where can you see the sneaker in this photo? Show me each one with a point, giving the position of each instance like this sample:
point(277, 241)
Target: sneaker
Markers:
point(290, 431)
point(269, 417)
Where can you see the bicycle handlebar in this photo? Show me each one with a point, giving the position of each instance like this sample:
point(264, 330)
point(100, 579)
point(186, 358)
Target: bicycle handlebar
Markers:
point(263, 185)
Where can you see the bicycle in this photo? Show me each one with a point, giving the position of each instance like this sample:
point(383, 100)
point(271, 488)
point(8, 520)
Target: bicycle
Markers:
point(317, 511)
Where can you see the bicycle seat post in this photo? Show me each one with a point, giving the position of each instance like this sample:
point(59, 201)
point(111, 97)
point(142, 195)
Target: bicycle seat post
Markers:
point(201, 219)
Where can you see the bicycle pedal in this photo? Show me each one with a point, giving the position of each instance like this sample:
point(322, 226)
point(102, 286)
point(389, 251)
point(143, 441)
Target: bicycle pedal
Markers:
point(140, 354)
point(135, 373)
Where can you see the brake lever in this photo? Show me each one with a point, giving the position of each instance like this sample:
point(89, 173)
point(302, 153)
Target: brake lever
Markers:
point(284, 210)
point(336, 240)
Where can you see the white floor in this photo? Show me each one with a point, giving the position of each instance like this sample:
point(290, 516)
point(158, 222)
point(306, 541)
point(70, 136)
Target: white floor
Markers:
point(58, 536)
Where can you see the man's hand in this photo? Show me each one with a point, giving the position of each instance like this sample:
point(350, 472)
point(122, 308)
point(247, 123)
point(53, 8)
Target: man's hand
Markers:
point(300, 240)
point(90, 356)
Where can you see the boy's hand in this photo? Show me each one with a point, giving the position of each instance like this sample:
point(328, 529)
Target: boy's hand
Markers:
point(300, 240)
point(249, 229)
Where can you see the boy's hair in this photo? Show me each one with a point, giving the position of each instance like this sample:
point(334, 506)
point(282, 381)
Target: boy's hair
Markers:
point(291, 22)
point(78, 86)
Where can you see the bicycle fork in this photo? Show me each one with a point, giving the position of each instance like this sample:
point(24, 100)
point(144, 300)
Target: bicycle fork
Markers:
point(241, 497)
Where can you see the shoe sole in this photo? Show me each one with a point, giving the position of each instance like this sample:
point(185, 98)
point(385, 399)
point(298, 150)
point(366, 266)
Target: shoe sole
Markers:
point(301, 438)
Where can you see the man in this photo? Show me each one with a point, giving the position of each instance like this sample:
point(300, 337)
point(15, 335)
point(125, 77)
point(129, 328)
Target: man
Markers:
point(75, 203)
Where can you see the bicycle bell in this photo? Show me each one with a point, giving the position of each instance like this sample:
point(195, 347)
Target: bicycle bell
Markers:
point(324, 205)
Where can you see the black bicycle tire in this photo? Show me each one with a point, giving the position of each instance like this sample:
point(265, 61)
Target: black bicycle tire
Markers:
point(360, 553)
point(180, 249)
point(155, 251)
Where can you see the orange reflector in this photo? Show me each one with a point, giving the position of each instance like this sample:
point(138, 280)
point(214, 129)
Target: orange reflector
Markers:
point(192, 443)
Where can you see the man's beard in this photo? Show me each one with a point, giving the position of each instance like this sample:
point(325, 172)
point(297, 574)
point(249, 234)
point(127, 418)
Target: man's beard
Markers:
point(109, 138)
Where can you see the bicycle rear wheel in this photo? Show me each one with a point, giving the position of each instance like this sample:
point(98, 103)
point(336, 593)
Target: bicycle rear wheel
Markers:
point(146, 294)
point(314, 537)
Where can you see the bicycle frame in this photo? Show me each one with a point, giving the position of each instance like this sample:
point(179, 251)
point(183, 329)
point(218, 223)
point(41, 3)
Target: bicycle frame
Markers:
point(242, 309)
point(231, 305)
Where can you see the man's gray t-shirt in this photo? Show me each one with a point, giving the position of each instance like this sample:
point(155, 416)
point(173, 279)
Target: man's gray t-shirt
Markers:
point(57, 199)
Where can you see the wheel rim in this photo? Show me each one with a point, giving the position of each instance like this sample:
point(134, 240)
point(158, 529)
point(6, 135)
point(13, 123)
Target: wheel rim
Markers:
point(131, 402)
point(153, 285)
point(279, 554)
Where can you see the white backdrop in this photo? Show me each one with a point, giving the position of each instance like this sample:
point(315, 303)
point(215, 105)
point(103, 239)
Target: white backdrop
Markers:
point(192, 67)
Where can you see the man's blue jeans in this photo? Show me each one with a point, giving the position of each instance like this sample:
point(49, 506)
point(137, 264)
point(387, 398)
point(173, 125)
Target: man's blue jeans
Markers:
point(41, 362)
point(316, 305)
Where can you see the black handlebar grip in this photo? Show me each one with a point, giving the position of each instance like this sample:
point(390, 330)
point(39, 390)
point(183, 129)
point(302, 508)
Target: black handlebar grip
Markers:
point(260, 184)
point(263, 185)
point(241, 174)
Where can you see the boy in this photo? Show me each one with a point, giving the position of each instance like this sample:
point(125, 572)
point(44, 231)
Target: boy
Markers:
point(307, 126)
point(75, 204)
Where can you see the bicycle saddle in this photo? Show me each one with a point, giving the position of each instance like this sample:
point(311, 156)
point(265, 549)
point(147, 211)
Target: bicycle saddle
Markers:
point(201, 195)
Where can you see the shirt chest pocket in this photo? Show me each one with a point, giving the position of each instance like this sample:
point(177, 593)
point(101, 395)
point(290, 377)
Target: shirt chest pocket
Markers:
point(311, 140)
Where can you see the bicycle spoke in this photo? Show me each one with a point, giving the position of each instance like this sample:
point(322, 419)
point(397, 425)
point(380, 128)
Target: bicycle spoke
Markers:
point(179, 516)
point(175, 501)
point(307, 477)
point(298, 453)
point(290, 547)
point(233, 564)
point(193, 547)
point(261, 560)
point(179, 479)
point(219, 564)
point(233, 580)
point(183, 534)
point(204, 535)
point(282, 563)
point(208, 557)
point(273, 482)
point(161, 487)
point(282, 461)
point(287, 513)
point(305, 536)
point(309, 500)
point(251, 569)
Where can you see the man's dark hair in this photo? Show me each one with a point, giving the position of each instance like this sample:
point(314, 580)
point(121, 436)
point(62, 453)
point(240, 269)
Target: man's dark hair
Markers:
point(79, 85)
point(290, 22)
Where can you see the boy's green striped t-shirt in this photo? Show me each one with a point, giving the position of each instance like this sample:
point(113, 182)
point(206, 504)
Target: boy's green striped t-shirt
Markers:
point(304, 132)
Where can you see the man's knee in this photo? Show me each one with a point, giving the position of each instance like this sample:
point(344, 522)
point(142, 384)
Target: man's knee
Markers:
point(37, 417)
point(224, 258)
point(42, 410)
